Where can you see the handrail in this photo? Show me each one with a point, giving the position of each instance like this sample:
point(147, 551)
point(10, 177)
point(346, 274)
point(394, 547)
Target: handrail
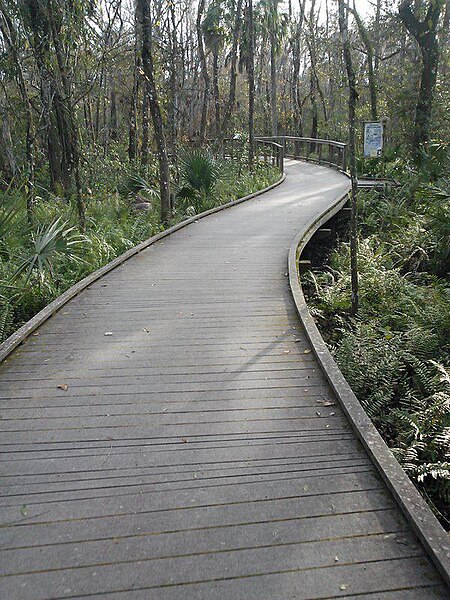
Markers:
point(266, 151)
point(277, 152)
point(312, 149)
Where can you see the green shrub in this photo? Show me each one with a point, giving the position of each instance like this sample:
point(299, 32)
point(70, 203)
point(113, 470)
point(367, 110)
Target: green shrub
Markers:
point(394, 353)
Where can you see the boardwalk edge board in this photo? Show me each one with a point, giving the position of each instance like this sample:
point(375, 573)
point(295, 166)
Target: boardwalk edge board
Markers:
point(30, 326)
point(426, 526)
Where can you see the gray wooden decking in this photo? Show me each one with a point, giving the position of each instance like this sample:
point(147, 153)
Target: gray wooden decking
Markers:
point(197, 452)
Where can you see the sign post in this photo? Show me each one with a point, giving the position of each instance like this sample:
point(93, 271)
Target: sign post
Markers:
point(373, 139)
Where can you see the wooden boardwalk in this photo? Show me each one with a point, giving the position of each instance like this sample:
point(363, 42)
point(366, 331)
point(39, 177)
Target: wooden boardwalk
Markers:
point(197, 451)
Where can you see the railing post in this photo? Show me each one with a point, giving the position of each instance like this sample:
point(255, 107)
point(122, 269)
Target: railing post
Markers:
point(344, 158)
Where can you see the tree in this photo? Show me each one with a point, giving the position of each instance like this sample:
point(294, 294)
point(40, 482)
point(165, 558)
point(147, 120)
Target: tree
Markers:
point(214, 36)
point(204, 69)
point(424, 31)
point(352, 99)
point(235, 33)
point(251, 83)
point(275, 25)
point(155, 110)
point(8, 29)
point(365, 37)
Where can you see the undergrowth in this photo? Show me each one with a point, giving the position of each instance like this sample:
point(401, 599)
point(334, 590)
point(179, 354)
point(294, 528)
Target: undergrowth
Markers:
point(39, 262)
point(395, 353)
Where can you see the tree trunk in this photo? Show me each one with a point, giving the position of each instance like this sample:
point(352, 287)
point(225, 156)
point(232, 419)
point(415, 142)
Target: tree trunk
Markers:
point(370, 63)
point(8, 163)
point(9, 32)
point(273, 83)
point(424, 32)
point(145, 126)
point(155, 111)
point(233, 70)
point(204, 69)
point(67, 120)
point(173, 100)
point(113, 122)
point(132, 128)
point(216, 91)
point(352, 99)
point(251, 84)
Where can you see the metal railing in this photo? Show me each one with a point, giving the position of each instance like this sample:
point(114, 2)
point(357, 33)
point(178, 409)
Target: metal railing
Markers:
point(328, 152)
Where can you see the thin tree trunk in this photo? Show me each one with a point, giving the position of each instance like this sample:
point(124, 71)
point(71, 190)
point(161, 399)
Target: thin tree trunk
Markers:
point(10, 35)
point(352, 99)
point(155, 110)
point(204, 69)
point(273, 83)
point(145, 126)
point(233, 70)
point(216, 91)
point(132, 128)
point(251, 84)
point(113, 122)
point(9, 163)
point(173, 100)
point(370, 62)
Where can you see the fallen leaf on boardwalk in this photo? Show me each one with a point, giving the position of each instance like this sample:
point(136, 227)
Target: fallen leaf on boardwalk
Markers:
point(305, 488)
point(63, 387)
point(146, 330)
point(108, 333)
point(306, 351)
point(326, 402)
point(286, 351)
point(401, 541)
point(35, 334)
point(184, 440)
point(317, 413)
point(342, 586)
point(297, 341)
point(24, 510)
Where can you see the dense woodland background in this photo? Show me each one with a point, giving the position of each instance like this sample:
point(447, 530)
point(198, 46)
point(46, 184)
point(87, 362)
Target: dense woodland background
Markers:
point(113, 116)
point(85, 82)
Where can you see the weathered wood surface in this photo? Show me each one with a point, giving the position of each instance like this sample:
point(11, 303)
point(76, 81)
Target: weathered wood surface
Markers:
point(197, 451)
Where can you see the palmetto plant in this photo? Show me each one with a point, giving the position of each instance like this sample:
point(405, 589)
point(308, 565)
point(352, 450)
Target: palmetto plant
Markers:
point(199, 173)
point(134, 184)
point(48, 244)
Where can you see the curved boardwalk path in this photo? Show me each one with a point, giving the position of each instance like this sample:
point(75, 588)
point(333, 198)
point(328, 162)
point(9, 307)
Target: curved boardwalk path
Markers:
point(195, 454)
